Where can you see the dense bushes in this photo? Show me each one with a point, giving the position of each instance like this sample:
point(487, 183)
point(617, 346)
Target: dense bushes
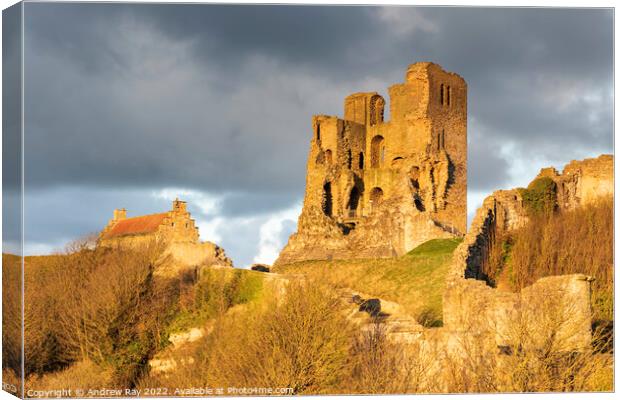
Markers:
point(540, 197)
point(101, 306)
point(557, 243)
point(213, 293)
point(11, 319)
point(301, 342)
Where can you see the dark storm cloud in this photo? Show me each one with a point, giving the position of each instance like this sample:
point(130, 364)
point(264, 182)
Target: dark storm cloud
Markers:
point(244, 204)
point(89, 62)
point(219, 98)
point(487, 169)
point(11, 130)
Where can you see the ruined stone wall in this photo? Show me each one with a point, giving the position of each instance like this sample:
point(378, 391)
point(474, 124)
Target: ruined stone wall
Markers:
point(582, 182)
point(185, 254)
point(557, 305)
point(386, 186)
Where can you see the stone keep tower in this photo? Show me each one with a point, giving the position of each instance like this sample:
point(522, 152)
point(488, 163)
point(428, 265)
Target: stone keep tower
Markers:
point(377, 188)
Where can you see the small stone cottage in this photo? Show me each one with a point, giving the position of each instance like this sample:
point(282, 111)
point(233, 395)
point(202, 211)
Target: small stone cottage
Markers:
point(175, 228)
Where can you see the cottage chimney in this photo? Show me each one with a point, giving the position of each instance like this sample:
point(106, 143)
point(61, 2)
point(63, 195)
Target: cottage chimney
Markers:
point(178, 205)
point(120, 213)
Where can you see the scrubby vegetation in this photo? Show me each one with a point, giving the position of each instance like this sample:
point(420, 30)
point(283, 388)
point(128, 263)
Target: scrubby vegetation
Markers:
point(11, 321)
point(212, 293)
point(557, 243)
point(540, 197)
point(96, 317)
point(304, 342)
point(96, 306)
point(415, 280)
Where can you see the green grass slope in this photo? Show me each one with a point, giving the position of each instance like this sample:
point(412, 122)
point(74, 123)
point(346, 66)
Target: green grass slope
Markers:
point(215, 292)
point(415, 280)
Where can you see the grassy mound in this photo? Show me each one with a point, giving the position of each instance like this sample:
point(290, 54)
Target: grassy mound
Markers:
point(415, 280)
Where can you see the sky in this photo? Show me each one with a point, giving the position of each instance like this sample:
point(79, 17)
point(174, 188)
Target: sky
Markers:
point(133, 105)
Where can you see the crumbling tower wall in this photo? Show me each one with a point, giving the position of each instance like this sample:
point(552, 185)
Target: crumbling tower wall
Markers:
point(377, 188)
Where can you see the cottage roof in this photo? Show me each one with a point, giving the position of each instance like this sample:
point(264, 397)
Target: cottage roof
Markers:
point(136, 226)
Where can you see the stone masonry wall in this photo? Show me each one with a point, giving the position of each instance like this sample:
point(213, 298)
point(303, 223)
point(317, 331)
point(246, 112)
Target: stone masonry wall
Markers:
point(557, 305)
point(378, 188)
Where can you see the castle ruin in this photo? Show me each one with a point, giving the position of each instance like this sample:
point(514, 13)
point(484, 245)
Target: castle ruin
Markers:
point(378, 188)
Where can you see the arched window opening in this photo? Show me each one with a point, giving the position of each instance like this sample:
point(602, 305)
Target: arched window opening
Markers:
point(347, 228)
point(397, 162)
point(328, 157)
point(415, 173)
point(320, 158)
point(361, 160)
point(414, 183)
point(318, 131)
point(354, 201)
point(448, 93)
point(376, 197)
point(417, 202)
point(327, 199)
point(441, 94)
point(443, 139)
point(349, 159)
point(377, 106)
point(377, 152)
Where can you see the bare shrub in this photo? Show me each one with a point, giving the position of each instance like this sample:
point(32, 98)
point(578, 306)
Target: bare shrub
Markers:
point(102, 305)
point(577, 241)
point(539, 353)
point(378, 365)
point(12, 315)
point(301, 342)
point(84, 375)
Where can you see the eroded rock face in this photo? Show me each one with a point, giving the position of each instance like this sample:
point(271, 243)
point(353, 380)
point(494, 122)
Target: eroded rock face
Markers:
point(555, 305)
point(582, 182)
point(378, 188)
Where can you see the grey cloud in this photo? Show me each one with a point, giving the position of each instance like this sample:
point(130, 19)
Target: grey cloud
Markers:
point(246, 204)
point(487, 169)
point(219, 98)
point(59, 215)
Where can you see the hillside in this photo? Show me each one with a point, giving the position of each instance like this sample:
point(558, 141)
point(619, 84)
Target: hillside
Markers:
point(415, 280)
point(561, 243)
